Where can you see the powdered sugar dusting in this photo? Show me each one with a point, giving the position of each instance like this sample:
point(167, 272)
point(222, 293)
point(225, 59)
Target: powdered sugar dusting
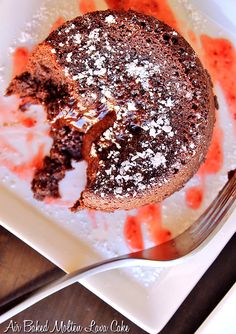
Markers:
point(110, 19)
point(77, 38)
point(142, 72)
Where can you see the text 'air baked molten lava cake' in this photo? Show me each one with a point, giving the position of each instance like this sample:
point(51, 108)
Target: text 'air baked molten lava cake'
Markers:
point(129, 95)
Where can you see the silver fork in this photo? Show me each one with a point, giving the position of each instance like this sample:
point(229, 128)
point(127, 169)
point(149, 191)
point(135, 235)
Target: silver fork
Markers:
point(166, 254)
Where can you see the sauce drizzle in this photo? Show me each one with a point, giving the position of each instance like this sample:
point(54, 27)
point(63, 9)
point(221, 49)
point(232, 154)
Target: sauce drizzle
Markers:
point(194, 197)
point(159, 9)
point(86, 6)
point(151, 216)
point(220, 58)
point(20, 60)
point(57, 23)
point(133, 233)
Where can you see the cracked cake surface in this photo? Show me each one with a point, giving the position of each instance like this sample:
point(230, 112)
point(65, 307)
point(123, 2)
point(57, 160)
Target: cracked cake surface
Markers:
point(129, 95)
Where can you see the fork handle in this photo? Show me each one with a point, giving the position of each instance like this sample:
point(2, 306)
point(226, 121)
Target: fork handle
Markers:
point(63, 282)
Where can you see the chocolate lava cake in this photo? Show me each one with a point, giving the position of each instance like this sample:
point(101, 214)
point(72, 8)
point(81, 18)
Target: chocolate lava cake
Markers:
point(129, 95)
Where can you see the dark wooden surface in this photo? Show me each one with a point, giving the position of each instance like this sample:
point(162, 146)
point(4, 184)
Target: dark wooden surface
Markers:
point(22, 269)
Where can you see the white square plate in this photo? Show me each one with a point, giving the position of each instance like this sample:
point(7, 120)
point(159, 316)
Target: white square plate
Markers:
point(148, 297)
